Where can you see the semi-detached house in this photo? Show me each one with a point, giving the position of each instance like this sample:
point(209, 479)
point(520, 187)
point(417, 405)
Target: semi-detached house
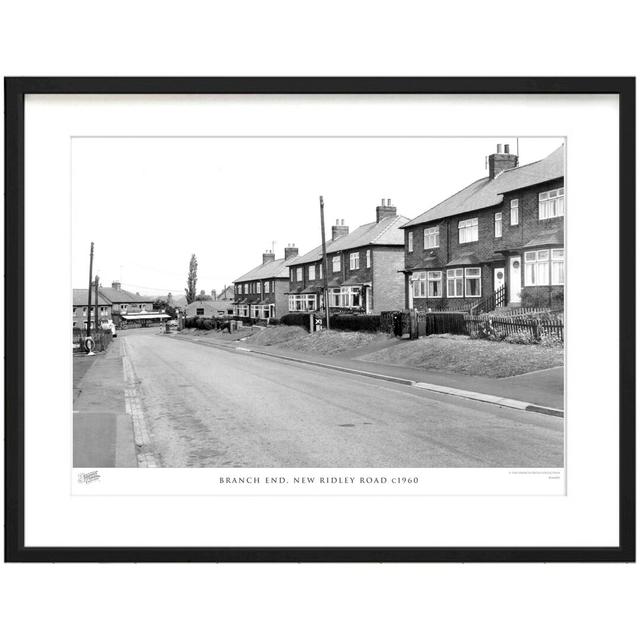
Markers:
point(261, 293)
point(364, 268)
point(503, 233)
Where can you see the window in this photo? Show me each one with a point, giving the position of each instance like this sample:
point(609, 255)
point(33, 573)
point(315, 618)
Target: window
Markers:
point(497, 224)
point(419, 284)
point(354, 261)
point(434, 282)
point(536, 268)
point(515, 214)
point(258, 287)
point(267, 286)
point(472, 286)
point(312, 272)
point(334, 297)
point(123, 307)
point(345, 297)
point(246, 288)
point(432, 238)
point(557, 266)
point(551, 204)
point(302, 303)
point(468, 230)
point(200, 311)
point(336, 263)
point(454, 283)
point(299, 274)
point(368, 258)
point(410, 241)
point(320, 271)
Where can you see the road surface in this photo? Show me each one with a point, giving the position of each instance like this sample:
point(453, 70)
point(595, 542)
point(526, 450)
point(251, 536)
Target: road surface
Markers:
point(210, 407)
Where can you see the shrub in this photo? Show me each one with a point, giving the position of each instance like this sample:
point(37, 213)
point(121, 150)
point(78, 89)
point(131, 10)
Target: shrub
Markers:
point(535, 297)
point(551, 340)
point(557, 299)
point(296, 320)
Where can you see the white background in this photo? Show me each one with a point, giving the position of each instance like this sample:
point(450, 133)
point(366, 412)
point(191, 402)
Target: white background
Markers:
point(372, 38)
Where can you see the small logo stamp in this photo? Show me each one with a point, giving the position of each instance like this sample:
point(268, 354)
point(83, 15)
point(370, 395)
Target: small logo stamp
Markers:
point(88, 477)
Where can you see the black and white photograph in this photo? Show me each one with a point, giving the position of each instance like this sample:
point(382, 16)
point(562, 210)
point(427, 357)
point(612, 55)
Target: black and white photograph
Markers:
point(326, 302)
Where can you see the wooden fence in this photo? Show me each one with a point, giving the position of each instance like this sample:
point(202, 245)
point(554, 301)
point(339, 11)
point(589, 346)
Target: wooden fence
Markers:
point(536, 328)
point(101, 337)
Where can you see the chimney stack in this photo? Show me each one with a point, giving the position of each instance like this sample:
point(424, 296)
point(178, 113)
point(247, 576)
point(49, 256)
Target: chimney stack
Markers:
point(385, 210)
point(268, 256)
point(338, 230)
point(213, 294)
point(116, 285)
point(501, 160)
point(290, 251)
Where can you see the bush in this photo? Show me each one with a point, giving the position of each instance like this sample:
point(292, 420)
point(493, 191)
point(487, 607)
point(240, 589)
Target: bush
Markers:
point(535, 297)
point(355, 322)
point(557, 299)
point(551, 340)
point(520, 337)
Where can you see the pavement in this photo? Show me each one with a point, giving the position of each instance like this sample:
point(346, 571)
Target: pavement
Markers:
point(103, 434)
point(206, 404)
point(539, 389)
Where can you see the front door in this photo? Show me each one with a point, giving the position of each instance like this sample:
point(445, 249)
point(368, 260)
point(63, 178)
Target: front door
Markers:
point(515, 278)
point(498, 280)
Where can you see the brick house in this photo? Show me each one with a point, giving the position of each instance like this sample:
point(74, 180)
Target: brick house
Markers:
point(364, 268)
point(261, 293)
point(80, 313)
point(504, 230)
point(209, 309)
point(124, 302)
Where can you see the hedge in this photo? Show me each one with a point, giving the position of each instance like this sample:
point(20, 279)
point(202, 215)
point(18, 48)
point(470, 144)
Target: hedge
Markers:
point(296, 320)
point(355, 322)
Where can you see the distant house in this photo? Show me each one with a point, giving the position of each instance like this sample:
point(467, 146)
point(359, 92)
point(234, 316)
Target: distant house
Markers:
point(262, 292)
point(227, 293)
point(124, 302)
point(364, 268)
point(80, 313)
point(209, 309)
point(502, 234)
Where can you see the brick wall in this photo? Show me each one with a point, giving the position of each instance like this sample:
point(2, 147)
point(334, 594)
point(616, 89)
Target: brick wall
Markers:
point(388, 279)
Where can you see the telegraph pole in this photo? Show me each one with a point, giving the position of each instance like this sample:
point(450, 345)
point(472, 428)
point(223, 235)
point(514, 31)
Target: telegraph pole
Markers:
point(90, 287)
point(324, 264)
point(97, 281)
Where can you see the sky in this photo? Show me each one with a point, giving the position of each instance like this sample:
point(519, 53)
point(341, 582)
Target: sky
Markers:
point(149, 203)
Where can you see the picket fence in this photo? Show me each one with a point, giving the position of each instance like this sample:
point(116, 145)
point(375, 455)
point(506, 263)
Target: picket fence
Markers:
point(536, 328)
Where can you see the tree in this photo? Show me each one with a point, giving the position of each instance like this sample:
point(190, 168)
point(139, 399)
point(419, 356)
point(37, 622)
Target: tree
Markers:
point(192, 279)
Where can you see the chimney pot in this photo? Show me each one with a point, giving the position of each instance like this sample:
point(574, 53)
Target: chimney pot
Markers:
point(506, 148)
point(382, 203)
point(388, 202)
point(499, 149)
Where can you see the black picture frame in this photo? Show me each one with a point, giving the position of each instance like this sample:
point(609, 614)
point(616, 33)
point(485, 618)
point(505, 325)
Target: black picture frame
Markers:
point(15, 91)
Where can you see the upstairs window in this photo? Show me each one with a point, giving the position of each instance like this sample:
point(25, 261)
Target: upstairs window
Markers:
point(368, 258)
point(432, 238)
point(267, 287)
point(299, 274)
point(320, 270)
point(515, 211)
point(551, 204)
point(497, 224)
point(354, 261)
point(410, 241)
point(312, 272)
point(335, 261)
point(258, 287)
point(468, 230)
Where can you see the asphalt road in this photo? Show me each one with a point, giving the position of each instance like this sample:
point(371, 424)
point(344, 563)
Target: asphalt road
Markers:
point(209, 407)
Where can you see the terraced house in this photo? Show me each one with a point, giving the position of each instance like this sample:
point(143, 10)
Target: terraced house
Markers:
point(261, 293)
point(364, 268)
point(495, 241)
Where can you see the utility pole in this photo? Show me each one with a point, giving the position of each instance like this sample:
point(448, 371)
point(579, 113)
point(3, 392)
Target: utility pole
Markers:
point(97, 281)
point(324, 264)
point(90, 287)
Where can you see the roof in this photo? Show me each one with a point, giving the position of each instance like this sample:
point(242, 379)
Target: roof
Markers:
point(209, 305)
point(464, 259)
point(117, 296)
point(386, 232)
point(272, 269)
point(488, 193)
point(549, 237)
point(80, 298)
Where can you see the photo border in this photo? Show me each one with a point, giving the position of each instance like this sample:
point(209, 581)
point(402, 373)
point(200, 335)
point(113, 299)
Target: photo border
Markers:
point(15, 91)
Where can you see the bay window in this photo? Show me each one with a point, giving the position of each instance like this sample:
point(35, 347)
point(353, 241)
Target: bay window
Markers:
point(557, 266)
point(434, 281)
point(468, 230)
point(419, 284)
point(454, 283)
point(536, 268)
point(472, 282)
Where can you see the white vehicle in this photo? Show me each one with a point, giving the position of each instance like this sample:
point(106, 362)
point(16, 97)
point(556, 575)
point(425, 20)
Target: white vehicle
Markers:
point(109, 326)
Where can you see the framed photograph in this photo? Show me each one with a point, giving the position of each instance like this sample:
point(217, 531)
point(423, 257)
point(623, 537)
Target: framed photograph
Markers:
point(320, 319)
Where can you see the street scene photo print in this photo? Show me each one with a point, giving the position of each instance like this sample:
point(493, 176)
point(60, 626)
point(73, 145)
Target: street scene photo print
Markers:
point(318, 302)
